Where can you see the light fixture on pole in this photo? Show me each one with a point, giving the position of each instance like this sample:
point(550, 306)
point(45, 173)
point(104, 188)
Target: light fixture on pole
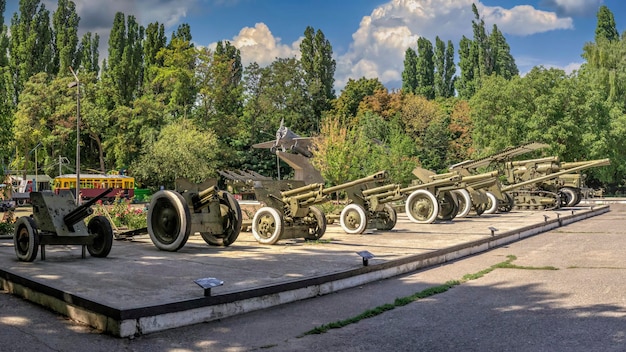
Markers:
point(76, 84)
point(36, 165)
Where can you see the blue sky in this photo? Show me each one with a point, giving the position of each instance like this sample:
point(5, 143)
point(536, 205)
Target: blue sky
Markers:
point(369, 37)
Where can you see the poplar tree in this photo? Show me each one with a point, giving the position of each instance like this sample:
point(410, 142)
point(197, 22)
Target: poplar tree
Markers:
point(444, 69)
point(65, 24)
point(30, 43)
point(319, 67)
point(6, 98)
point(425, 69)
point(88, 54)
point(155, 41)
point(409, 74)
point(605, 28)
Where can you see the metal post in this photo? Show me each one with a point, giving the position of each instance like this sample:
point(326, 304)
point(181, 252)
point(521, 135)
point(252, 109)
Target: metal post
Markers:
point(77, 136)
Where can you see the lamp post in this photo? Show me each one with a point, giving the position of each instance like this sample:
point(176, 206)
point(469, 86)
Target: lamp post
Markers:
point(76, 84)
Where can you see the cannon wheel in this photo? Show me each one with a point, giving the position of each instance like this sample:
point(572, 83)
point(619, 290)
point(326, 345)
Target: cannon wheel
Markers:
point(267, 225)
point(464, 202)
point(391, 218)
point(353, 219)
point(508, 205)
point(26, 239)
point(447, 207)
point(319, 229)
point(231, 222)
point(103, 240)
point(168, 221)
point(422, 207)
point(569, 197)
point(492, 205)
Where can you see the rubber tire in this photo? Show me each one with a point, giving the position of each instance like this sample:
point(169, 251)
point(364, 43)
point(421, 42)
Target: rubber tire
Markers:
point(267, 225)
point(508, 205)
point(431, 202)
point(448, 209)
point(176, 209)
point(315, 233)
point(464, 202)
point(26, 239)
point(392, 215)
point(231, 222)
point(569, 197)
point(103, 241)
point(492, 206)
point(353, 219)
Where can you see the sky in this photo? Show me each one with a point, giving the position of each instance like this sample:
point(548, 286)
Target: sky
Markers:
point(368, 37)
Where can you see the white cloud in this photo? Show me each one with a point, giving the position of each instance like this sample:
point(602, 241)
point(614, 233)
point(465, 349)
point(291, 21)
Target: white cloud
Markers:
point(259, 45)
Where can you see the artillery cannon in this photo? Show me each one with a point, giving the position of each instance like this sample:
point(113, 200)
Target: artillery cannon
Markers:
point(542, 192)
point(57, 220)
point(174, 215)
point(290, 210)
point(461, 192)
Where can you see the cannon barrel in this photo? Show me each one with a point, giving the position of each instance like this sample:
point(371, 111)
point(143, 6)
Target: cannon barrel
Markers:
point(572, 164)
point(379, 176)
point(378, 190)
point(82, 211)
point(300, 190)
point(534, 161)
point(437, 183)
point(480, 177)
point(203, 198)
point(590, 164)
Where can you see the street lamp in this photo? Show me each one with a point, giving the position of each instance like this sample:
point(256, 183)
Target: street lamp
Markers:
point(76, 84)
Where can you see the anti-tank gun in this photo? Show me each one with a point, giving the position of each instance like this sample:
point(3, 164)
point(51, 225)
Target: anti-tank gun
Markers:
point(290, 210)
point(203, 208)
point(57, 220)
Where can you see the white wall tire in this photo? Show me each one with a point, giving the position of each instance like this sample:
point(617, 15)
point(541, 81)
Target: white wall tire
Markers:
point(422, 207)
point(353, 219)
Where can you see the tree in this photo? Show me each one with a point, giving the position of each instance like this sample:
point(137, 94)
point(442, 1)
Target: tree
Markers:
point(88, 54)
point(425, 69)
point(445, 69)
point(155, 41)
point(6, 96)
point(319, 68)
point(181, 150)
point(605, 28)
point(347, 104)
point(31, 48)
point(409, 74)
point(65, 30)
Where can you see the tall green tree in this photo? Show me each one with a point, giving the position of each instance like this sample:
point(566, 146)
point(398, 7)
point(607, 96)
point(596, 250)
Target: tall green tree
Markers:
point(425, 69)
point(125, 60)
point(88, 53)
point(319, 67)
point(409, 74)
point(468, 62)
point(6, 96)
point(606, 28)
point(445, 68)
point(155, 41)
point(31, 45)
point(65, 30)
point(347, 104)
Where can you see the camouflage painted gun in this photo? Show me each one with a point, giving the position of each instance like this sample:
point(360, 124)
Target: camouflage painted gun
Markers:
point(290, 210)
point(203, 208)
point(57, 220)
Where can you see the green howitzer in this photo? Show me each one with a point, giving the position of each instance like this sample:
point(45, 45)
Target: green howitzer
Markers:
point(290, 210)
point(195, 208)
point(57, 220)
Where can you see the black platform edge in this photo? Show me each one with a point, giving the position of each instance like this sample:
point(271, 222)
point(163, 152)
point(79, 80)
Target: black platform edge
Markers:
point(207, 301)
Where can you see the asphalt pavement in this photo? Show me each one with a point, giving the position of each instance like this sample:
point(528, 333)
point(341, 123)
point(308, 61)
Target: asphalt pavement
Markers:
point(526, 307)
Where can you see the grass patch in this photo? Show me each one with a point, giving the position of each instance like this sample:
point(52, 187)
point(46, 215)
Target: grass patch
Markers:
point(431, 291)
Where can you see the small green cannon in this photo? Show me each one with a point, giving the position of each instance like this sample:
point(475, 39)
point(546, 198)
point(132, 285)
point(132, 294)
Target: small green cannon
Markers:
point(57, 220)
point(203, 208)
point(290, 210)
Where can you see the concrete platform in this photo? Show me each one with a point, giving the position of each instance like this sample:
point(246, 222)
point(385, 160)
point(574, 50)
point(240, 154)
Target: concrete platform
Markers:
point(138, 289)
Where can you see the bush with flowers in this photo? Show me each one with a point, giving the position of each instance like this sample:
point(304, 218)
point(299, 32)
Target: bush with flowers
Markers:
point(122, 213)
